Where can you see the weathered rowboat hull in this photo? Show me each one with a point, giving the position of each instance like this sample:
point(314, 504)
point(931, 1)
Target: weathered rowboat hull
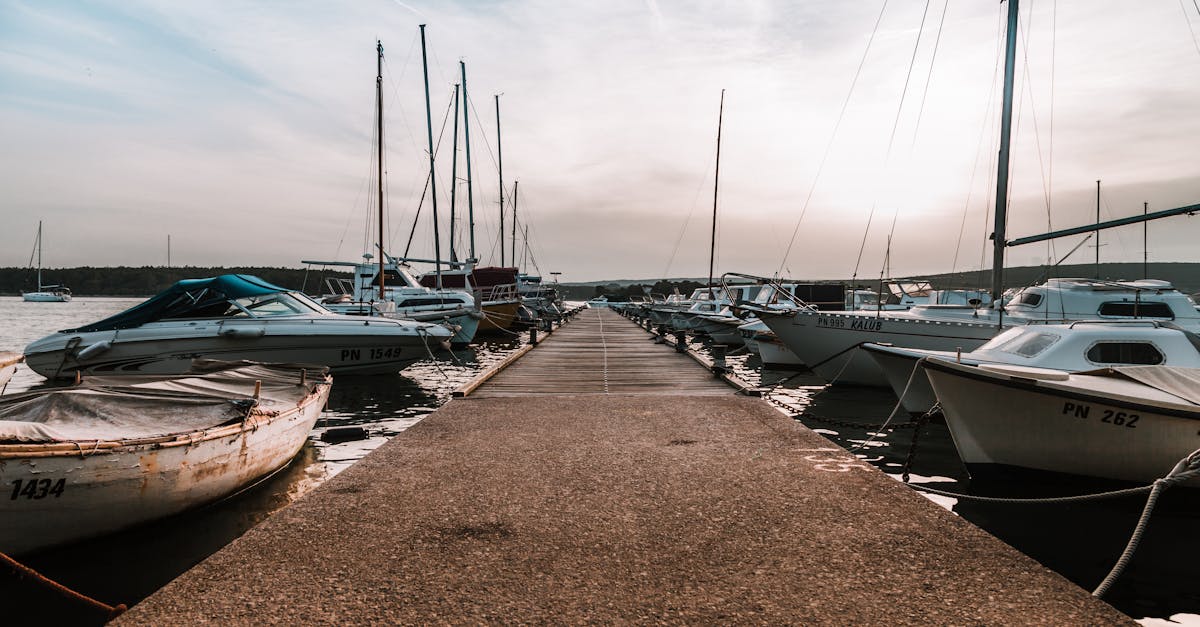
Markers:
point(66, 491)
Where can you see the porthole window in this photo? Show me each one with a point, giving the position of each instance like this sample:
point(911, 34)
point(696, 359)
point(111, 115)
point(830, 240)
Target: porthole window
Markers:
point(1132, 309)
point(1134, 353)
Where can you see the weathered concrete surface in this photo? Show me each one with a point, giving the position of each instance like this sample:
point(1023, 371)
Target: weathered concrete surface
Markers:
point(616, 509)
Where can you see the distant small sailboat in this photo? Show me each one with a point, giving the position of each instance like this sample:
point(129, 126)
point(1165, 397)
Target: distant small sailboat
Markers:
point(45, 293)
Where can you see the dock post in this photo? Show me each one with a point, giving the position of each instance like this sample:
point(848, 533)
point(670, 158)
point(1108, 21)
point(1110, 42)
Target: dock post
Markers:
point(533, 335)
point(681, 341)
point(660, 334)
point(718, 354)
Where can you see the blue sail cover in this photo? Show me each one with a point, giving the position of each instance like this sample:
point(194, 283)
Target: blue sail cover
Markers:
point(190, 298)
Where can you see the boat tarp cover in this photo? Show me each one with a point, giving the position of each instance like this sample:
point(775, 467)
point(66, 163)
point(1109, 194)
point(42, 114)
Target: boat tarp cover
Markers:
point(1181, 382)
point(116, 408)
point(190, 298)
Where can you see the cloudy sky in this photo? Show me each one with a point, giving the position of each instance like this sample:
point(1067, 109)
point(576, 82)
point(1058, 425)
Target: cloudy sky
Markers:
point(243, 130)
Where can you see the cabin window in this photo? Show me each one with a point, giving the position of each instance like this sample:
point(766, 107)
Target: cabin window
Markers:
point(1132, 309)
point(1028, 299)
point(421, 302)
point(1029, 344)
point(1137, 353)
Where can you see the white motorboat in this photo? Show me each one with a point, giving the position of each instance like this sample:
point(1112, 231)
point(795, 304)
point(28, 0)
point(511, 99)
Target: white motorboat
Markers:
point(45, 293)
point(1127, 423)
point(1076, 347)
point(759, 338)
point(403, 297)
point(8, 366)
point(113, 452)
point(828, 341)
point(233, 317)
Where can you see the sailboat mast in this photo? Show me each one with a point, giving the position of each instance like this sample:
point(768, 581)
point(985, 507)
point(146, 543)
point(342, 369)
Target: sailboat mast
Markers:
point(467, 141)
point(379, 154)
point(514, 227)
point(998, 231)
point(39, 249)
point(500, 165)
point(454, 174)
point(437, 244)
point(1097, 242)
point(712, 247)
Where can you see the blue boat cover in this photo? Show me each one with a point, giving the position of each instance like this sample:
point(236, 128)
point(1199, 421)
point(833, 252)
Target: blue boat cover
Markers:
point(190, 298)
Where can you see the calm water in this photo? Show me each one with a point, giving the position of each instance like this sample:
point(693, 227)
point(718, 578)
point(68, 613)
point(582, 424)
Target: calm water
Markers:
point(1079, 541)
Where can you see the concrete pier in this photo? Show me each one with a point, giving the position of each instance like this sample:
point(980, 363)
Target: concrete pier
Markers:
point(616, 508)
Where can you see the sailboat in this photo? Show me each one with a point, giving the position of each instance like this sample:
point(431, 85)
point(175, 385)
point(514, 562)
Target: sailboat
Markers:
point(828, 341)
point(45, 293)
point(389, 288)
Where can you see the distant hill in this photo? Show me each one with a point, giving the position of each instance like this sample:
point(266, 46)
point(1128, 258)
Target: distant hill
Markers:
point(1184, 276)
point(147, 280)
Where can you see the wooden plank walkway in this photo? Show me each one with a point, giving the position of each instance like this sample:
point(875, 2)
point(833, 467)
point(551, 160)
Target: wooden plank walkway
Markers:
point(601, 352)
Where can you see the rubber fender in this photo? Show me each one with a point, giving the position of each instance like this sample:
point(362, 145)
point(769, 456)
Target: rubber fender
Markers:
point(244, 332)
point(93, 350)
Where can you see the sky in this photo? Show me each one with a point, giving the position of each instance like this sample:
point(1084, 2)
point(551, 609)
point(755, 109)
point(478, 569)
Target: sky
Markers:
point(857, 138)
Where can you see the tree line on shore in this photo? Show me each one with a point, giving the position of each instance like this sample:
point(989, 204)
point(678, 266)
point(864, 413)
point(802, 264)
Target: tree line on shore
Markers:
point(149, 280)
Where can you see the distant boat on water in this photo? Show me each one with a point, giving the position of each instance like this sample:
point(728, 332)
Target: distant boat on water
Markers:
point(45, 293)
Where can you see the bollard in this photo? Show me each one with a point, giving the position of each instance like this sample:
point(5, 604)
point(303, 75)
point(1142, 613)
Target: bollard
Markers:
point(718, 353)
point(533, 336)
point(681, 341)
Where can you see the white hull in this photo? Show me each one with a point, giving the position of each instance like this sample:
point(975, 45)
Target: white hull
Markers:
point(45, 297)
point(906, 379)
point(773, 352)
point(93, 488)
point(1074, 426)
point(827, 341)
point(345, 344)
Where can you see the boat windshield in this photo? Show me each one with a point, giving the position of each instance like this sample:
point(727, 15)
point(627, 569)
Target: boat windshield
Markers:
point(267, 305)
point(1025, 344)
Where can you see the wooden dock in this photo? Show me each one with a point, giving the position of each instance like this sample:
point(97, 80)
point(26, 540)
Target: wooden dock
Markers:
point(572, 505)
point(600, 352)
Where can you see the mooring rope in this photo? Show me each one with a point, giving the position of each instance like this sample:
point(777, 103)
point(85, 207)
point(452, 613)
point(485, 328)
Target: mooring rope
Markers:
point(1188, 468)
point(24, 571)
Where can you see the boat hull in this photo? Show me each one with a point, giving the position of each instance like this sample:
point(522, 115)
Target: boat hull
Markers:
point(347, 346)
point(79, 493)
point(1001, 421)
point(828, 341)
point(45, 297)
point(499, 317)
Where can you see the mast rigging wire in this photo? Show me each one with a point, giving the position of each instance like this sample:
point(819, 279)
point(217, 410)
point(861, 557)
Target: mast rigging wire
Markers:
point(832, 136)
point(892, 139)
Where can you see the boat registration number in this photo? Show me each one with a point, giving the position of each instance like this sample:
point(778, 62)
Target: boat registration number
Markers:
point(1110, 416)
point(37, 488)
point(357, 354)
point(856, 323)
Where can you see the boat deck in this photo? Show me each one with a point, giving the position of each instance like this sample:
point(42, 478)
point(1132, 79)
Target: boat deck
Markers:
point(585, 507)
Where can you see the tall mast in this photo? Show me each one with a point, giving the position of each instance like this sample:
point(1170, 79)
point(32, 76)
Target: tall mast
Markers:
point(39, 249)
point(712, 248)
point(500, 164)
point(454, 174)
point(1097, 242)
point(998, 231)
point(514, 227)
point(379, 154)
point(467, 140)
point(437, 242)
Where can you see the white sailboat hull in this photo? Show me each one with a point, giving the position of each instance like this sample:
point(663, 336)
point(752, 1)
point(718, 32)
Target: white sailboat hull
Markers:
point(828, 341)
point(46, 297)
